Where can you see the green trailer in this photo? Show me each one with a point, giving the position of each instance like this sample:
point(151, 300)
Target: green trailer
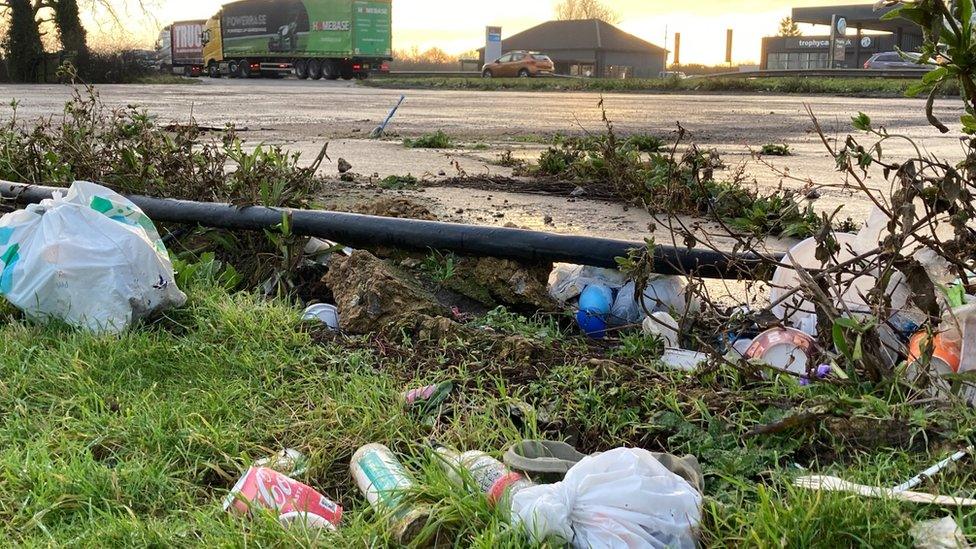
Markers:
point(312, 38)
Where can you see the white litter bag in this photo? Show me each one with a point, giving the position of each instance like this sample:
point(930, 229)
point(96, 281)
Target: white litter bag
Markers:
point(91, 259)
point(624, 498)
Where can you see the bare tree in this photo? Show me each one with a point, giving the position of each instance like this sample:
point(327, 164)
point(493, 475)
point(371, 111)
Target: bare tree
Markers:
point(568, 10)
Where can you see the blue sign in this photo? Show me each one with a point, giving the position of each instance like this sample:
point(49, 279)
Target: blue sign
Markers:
point(494, 38)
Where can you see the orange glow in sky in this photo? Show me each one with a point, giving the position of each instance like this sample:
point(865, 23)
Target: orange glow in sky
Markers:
point(458, 25)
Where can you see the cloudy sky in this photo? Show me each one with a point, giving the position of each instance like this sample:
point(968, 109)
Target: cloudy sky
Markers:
point(458, 25)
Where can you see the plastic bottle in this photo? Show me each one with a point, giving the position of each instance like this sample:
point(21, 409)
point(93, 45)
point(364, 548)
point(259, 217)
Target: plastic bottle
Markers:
point(383, 480)
point(494, 479)
point(594, 308)
point(596, 299)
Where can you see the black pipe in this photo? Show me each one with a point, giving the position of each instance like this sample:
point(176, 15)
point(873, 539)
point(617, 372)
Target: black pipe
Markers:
point(358, 230)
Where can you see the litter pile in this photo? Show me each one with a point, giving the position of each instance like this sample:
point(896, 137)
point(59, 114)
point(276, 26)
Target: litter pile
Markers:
point(94, 260)
point(622, 498)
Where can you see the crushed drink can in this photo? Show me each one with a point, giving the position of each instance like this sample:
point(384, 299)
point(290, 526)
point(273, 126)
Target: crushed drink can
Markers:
point(428, 397)
point(383, 480)
point(294, 502)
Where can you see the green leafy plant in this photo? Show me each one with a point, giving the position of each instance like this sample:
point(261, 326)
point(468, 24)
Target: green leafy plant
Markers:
point(779, 214)
point(639, 347)
point(206, 270)
point(543, 328)
point(646, 143)
point(436, 140)
point(399, 182)
point(507, 160)
point(288, 253)
point(440, 266)
point(557, 161)
point(774, 149)
point(949, 45)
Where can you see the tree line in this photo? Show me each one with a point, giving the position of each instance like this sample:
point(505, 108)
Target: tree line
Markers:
point(23, 50)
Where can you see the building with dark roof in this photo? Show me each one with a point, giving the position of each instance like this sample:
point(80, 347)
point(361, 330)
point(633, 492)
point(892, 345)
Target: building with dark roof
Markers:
point(590, 47)
point(812, 52)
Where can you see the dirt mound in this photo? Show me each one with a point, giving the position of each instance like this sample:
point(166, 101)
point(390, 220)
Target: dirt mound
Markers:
point(370, 293)
point(395, 207)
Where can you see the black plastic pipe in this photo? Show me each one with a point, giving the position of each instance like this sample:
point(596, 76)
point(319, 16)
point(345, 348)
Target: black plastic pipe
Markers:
point(358, 230)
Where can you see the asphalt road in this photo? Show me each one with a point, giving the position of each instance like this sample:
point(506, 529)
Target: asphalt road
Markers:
point(302, 115)
point(315, 108)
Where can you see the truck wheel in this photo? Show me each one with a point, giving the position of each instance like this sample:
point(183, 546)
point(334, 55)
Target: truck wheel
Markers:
point(213, 71)
point(232, 69)
point(244, 68)
point(330, 69)
point(315, 69)
point(301, 69)
point(362, 75)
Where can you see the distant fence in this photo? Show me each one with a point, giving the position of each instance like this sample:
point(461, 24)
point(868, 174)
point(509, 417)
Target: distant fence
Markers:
point(822, 73)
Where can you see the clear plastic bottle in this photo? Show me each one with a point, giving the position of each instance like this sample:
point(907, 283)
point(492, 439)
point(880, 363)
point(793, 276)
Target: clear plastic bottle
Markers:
point(493, 478)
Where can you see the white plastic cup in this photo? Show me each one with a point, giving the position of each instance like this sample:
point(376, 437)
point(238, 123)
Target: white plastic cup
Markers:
point(662, 325)
point(325, 313)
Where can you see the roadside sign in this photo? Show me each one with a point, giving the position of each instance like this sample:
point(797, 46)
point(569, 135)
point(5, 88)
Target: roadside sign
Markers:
point(493, 43)
point(838, 41)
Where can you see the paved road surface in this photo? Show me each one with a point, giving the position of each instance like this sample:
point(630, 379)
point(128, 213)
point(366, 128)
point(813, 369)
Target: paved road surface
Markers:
point(302, 115)
point(311, 107)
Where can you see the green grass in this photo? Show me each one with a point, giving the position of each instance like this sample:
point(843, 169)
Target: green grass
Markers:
point(134, 440)
point(168, 79)
point(435, 140)
point(829, 86)
point(399, 182)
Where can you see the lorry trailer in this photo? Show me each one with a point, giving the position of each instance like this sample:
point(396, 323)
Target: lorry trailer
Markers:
point(179, 48)
point(311, 38)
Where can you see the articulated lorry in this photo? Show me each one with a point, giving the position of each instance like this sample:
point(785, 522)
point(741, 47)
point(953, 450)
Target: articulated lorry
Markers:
point(179, 48)
point(311, 38)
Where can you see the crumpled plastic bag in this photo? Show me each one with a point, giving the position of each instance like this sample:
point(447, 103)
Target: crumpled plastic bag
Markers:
point(943, 533)
point(622, 498)
point(90, 258)
point(662, 294)
point(567, 281)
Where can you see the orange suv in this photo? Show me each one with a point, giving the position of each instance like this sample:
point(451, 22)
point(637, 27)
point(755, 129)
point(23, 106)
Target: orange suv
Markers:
point(523, 64)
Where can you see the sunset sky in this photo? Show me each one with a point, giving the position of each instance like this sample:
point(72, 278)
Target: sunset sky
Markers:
point(458, 25)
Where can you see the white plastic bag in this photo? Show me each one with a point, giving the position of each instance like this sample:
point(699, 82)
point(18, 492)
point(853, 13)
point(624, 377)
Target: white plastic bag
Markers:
point(662, 294)
point(622, 498)
point(91, 259)
point(568, 281)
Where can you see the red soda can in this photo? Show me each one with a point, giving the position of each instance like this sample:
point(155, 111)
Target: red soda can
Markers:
point(294, 502)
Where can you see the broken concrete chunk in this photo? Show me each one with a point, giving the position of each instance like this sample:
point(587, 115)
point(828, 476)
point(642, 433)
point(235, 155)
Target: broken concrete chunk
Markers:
point(493, 281)
point(371, 294)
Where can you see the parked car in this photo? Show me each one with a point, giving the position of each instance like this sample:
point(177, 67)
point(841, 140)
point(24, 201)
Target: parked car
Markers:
point(672, 74)
point(523, 64)
point(893, 60)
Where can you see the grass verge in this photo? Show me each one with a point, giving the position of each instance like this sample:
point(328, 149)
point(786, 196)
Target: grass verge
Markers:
point(134, 440)
point(168, 79)
point(857, 87)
